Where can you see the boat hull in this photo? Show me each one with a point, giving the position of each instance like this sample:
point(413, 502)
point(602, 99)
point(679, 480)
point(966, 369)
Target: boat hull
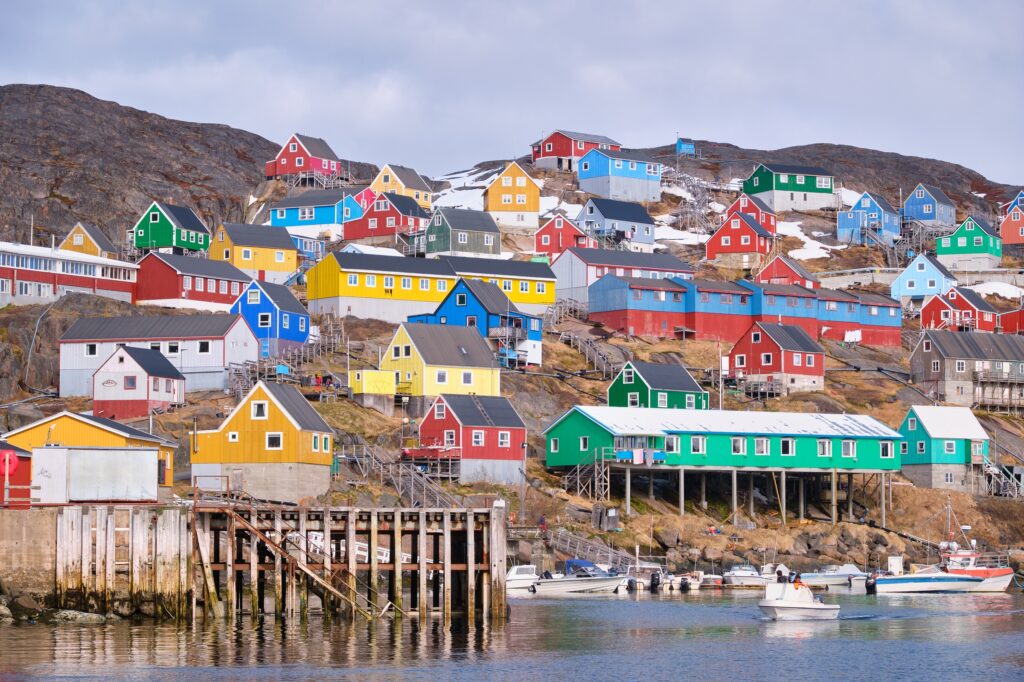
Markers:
point(745, 580)
point(776, 609)
point(913, 585)
point(558, 586)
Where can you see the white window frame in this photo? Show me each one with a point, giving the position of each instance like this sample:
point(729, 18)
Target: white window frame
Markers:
point(253, 411)
point(738, 446)
point(266, 440)
point(849, 448)
point(504, 439)
point(698, 445)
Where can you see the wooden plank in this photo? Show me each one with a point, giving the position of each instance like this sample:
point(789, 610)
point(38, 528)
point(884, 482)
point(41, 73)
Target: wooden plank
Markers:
point(278, 575)
point(371, 550)
point(87, 555)
point(328, 550)
point(111, 556)
point(100, 581)
point(470, 567)
point(396, 562)
point(137, 552)
point(254, 573)
point(203, 538)
point(350, 558)
point(229, 568)
point(61, 556)
point(446, 521)
point(303, 585)
point(497, 564)
point(421, 572)
point(485, 583)
point(184, 559)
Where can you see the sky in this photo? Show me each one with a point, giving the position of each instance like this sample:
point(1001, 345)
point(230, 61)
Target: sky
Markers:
point(441, 85)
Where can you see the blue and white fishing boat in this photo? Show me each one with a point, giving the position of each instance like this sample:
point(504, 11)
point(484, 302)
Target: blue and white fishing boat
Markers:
point(931, 579)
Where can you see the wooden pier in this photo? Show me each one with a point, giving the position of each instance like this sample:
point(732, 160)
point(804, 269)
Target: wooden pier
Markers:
point(225, 559)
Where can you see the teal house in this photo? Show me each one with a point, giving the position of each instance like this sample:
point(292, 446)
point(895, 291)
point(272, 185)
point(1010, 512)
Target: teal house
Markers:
point(943, 447)
point(653, 384)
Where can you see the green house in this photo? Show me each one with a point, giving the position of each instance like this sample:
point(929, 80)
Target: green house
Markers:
point(786, 187)
point(166, 226)
point(943, 447)
point(723, 440)
point(975, 245)
point(652, 384)
point(462, 232)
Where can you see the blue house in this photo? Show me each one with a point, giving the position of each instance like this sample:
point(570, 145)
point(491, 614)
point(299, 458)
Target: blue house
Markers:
point(618, 221)
point(871, 219)
point(515, 335)
point(925, 276)
point(276, 317)
point(929, 205)
point(624, 175)
point(322, 211)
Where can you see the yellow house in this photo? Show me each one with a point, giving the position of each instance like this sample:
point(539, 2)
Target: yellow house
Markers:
point(426, 360)
point(262, 252)
point(88, 239)
point(273, 446)
point(73, 430)
point(404, 181)
point(392, 288)
point(513, 198)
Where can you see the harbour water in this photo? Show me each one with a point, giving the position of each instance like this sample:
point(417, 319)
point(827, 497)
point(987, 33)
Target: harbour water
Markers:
point(670, 637)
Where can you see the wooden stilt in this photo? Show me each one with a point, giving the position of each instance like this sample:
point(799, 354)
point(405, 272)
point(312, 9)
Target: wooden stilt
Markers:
point(396, 563)
point(446, 521)
point(782, 496)
point(629, 504)
point(371, 549)
point(470, 568)
point(278, 572)
point(835, 487)
point(682, 491)
point(350, 558)
point(421, 571)
point(328, 551)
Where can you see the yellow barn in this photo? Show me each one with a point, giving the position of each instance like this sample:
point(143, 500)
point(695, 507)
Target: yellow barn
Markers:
point(88, 239)
point(262, 252)
point(274, 445)
point(513, 198)
point(404, 181)
point(73, 430)
point(392, 288)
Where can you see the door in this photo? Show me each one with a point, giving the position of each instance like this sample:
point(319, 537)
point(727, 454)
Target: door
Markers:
point(261, 275)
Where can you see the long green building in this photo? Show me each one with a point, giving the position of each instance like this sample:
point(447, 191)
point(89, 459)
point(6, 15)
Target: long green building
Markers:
point(653, 384)
point(786, 187)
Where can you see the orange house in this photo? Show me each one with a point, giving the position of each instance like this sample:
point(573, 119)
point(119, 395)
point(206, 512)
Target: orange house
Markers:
point(1011, 228)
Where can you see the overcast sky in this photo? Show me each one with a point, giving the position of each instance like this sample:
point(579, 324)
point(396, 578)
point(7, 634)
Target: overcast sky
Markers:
point(441, 85)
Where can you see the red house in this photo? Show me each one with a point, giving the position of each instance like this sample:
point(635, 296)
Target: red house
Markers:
point(740, 242)
point(783, 270)
point(1012, 322)
point(1011, 227)
point(959, 309)
point(475, 438)
point(304, 154)
point(558, 234)
point(783, 356)
point(753, 206)
point(19, 480)
point(563, 148)
point(188, 282)
point(389, 214)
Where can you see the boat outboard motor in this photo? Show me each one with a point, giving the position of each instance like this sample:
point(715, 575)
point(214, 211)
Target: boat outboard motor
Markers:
point(869, 584)
point(547, 575)
point(655, 581)
point(631, 585)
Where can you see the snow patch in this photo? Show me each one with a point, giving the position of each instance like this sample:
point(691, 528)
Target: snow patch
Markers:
point(1003, 289)
point(980, 195)
point(717, 207)
point(678, 191)
point(664, 233)
point(188, 304)
point(811, 249)
point(252, 200)
point(848, 196)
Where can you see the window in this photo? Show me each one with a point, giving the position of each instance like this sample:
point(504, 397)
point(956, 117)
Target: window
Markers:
point(554, 445)
point(698, 445)
point(203, 347)
point(903, 448)
point(663, 399)
point(627, 375)
point(396, 352)
point(186, 283)
point(926, 345)
point(235, 288)
point(232, 436)
point(305, 214)
point(129, 383)
point(783, 177)
point(961, 365)
point(810, 360)
point(633, 400)
point(391, 222)
point(885, 449)
point(585, 166)
point(488, 240)
point(849, 448)
point(524, 287)
point(726, 241)
point(541, 287)
point(824, 448)
point(258, 409)
point(584, 443)
point(766, 358)
point(407, 351)
point(761, 446)
point(154, 217)
point(442, 376)
point(741, 360)
point(223, 286)
point(521, 199)
point(935, 365)
point(506, 285)
point(264, 321)
point(463, 238)
point(285, 320)
point(300, 161)
point(449, 437)
point(389, 282)
point(467, 378)
point(506, 198)
point(372, 223)
point(949, 447)
point(920, 447)
point(823, 183)
point(279, 256)
point(442, 285)
point(545, 240)
point(316, 443)
point(246, 254)
point(739, 445)
point(504, 439)
point(932, 284)
point(424, 284)
point(787, 447)
point(439, 411)
point(172, 347)
point(90, 350)
point(252, 297)
point(200, 284)
point(274, 440)
point(407, 282)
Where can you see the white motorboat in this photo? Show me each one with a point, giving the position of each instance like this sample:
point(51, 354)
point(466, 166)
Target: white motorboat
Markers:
point(930, 579)
point(746, 576)
point(789, 601)
point(834, 575)
point(520, 579)
point(581, 577)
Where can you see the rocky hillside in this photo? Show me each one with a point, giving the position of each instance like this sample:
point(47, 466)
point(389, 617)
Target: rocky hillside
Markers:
point(68, 156)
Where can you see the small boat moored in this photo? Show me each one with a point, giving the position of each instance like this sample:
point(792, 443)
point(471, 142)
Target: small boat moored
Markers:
point(520, 579)
point(746, 576)
point(581, 577)
point(795, 601)
point(834, 575)
point(929, 579)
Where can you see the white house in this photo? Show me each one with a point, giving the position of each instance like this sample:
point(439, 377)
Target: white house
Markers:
point(135, 381)
point(577, 268)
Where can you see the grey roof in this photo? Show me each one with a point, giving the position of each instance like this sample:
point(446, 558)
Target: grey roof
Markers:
point(463, 265)
point(937, 265)
point(715, 285)
point(282, 297)
point(468, 219)
point(319, 197)
point(484, 410)
point(649, 282)
point(399, 265)
point(183, 218)
point(782, 289)
point(201, 267)
point(126, 430)
point(626, 155)
point(96, 234)
point(838, 295)
point(318, 147)
point(628, 211)
point(153, 362)
point(749, 221)
point(796, 267)
point(871, 298)
point(666, 377)
point(296, 405)
point(259, 235)
point(630, 259)
point(984, 225)
point(975, 299)
point(977, 345)
point(405, 205)
point(586, 137)
point(490, 296)
point(937, 194)
point(441, 344)
point(794, 169)
point(4, 445)
point(203, 326)
point(790, 337)
point(760, 204)
point(882, 202)
point(409, 177)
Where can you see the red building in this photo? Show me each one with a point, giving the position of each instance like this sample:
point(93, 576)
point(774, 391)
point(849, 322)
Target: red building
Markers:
point(781, 355)
point(1012, 322)
point(558, 234)
point(783, 270)
point(753, 206)
point(959, 309)
point(40, 274)
point(653, 307)
point(389, 214)
point(1011, 227)
point(740, 242)
point(304, 154)
point(19, 480)
point(563, 148)
point(187, 281)
point(476, 438)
